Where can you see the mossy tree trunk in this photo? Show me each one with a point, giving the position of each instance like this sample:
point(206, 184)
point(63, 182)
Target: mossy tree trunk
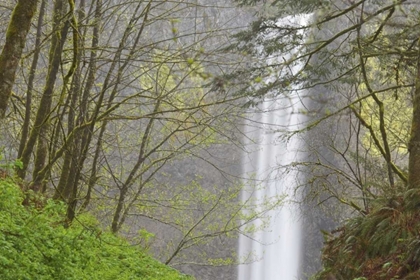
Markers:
point(17, 30)
point(44, 108)
point(414, 144)
point(31, 79)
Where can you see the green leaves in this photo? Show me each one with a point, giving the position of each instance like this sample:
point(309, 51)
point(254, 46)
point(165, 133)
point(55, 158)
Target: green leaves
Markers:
point(35, 245)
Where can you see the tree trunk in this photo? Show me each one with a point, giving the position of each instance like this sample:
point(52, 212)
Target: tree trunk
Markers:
point(28, 104)
point(115, 225)
point(17, 30)
point(44, 108)
point(414, 144)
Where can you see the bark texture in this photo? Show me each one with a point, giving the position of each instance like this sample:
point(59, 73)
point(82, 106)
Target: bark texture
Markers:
point(17, 30)
point(414, 144)
point(44, 107)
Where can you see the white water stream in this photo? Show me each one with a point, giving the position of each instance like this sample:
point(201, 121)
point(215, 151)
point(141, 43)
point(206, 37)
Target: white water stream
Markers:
point(276, 250)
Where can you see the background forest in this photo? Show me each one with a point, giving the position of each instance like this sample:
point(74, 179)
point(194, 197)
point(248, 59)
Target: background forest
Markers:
point(130, 115)
point(111, 109)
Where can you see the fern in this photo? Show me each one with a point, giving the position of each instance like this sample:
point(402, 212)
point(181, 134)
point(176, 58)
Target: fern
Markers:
point(385, 244)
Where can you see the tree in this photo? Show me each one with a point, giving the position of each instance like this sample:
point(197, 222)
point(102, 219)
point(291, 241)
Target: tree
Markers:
point(19, 25)
point(345, 60)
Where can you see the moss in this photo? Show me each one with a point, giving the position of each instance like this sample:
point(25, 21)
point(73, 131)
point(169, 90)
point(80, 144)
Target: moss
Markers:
point(12, 51)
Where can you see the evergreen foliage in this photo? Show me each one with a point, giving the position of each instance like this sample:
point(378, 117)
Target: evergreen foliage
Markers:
point(384, 244)
point(35, 244)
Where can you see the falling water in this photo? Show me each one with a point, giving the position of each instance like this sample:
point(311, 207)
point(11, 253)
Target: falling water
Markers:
point(276, 249)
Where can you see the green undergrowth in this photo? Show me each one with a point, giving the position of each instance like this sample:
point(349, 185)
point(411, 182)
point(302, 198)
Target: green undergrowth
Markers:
point(34, 244)
point(384, 244)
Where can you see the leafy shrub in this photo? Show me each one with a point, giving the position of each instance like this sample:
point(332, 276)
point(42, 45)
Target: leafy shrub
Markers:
point(34, 244)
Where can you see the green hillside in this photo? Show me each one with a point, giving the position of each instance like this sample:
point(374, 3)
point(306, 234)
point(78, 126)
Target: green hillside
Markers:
point(36, 244)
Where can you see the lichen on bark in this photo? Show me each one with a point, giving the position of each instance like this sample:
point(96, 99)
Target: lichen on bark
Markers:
point(19, 24)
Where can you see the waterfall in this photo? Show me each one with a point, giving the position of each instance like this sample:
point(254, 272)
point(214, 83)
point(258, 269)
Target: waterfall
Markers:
point(276, 249)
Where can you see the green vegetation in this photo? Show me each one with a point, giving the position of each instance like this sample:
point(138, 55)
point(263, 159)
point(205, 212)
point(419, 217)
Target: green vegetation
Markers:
point(384, 244)
point(35, 244)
